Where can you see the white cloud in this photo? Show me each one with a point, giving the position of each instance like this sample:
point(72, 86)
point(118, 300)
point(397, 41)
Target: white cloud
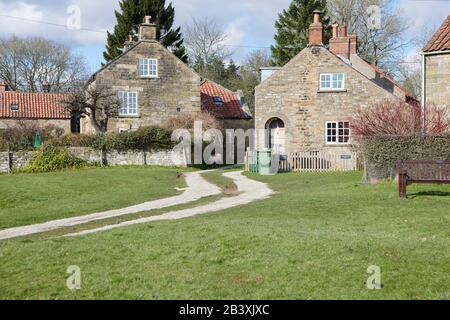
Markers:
point(249, 22)
point(421, 14)
point(235, 32)
point(49, 19)
point(22, 11)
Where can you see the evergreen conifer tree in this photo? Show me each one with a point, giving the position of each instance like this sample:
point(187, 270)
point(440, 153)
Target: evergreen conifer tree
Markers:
point(131, 15)
point(293, 29)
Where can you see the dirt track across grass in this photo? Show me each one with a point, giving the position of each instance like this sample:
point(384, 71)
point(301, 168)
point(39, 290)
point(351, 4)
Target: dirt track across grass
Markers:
point(249, 190)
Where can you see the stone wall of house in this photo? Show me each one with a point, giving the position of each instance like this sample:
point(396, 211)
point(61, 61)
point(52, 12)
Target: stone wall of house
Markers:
point(169, 158)
point(61, 123)
point(175, 90)
point(293, 95)
point(438, 79)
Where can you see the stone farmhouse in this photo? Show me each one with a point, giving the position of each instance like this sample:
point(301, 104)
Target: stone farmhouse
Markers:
point(42, 108)
point(153, 85)
point(308, 104)
point(436, 67)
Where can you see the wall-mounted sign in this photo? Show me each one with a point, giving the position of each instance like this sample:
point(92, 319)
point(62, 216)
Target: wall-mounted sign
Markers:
point(346, 157)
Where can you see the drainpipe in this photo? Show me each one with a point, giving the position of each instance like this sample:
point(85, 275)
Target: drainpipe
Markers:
point(424, 91)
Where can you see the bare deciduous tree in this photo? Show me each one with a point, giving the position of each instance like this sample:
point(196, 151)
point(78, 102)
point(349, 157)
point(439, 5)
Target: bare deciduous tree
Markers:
point(380, 44)
point(409, 70)
point(98, 103)
point(255, 61)
point(250, 74)
point(204, 40)
point(32, 64)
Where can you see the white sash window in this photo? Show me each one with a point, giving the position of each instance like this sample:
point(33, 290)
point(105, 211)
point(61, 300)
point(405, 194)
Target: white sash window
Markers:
point(128, 103)
point(148, 68)
point(332, 81)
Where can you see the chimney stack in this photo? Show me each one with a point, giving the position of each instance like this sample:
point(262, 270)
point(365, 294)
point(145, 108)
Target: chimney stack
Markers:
point(353, 44)
point(316, 31)
point(147, 30)
point(343, 45)
point(3, 87)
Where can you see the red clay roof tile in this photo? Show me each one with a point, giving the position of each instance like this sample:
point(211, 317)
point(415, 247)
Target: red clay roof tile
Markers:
point(33, 105)
point(441, 39)
point(231, 107)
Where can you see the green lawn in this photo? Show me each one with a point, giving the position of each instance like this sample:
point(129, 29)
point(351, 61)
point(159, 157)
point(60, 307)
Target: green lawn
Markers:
point(36, 198)
point(314, 239)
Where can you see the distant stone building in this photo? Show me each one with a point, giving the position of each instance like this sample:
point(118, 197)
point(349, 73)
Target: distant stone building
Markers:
point(436, 67)
point(227, 106)
point(42, 108)
point(153, 85)
point(308, 104)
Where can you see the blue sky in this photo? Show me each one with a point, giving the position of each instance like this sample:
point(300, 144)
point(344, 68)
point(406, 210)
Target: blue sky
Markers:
point(249, 23)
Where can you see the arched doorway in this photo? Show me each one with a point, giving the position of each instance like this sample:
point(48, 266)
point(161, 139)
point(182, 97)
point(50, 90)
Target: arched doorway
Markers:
point(276, 135)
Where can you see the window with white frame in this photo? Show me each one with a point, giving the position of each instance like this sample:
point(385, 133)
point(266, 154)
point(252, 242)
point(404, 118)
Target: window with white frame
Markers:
point(338, 132)
point(128, 103)
point(332, 81)
point(148, 68)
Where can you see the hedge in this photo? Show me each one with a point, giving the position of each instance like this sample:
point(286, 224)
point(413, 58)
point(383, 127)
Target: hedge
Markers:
point(383, 152)
point(146, 138)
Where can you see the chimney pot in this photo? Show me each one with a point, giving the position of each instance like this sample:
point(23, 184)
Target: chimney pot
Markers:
point(335, 30)
point(147, 19)
point(344, 31)
point(317, 14)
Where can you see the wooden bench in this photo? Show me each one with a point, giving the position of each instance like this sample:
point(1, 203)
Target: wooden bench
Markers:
point(422, 171)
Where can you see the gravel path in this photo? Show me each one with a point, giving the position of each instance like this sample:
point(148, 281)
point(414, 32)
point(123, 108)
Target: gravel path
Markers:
point(197, 188)
point(250, 191)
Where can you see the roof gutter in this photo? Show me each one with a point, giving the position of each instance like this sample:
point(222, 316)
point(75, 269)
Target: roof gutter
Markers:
point(436, 52)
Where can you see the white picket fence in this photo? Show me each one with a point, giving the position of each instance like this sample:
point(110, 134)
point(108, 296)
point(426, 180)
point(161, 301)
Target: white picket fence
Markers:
point(320, 161)
point(314, 161)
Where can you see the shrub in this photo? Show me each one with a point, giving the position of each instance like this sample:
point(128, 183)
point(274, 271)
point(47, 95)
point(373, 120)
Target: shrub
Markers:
point(50, 158)
point(21, 134)
point(383, 152)
point(187, 120)
point(69, 140)
point(399, 119)
point(98, 142)
point(3, 144)
point(146, 138)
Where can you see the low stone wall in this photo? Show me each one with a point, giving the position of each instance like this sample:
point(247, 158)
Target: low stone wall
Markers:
point(168, 158)
point(4, 161)
point(14, 161)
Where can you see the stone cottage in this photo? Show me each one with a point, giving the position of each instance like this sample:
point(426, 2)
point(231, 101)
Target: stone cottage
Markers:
point(436, 67)
point(42, 108)
point(308, 104)
point(153, 85)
